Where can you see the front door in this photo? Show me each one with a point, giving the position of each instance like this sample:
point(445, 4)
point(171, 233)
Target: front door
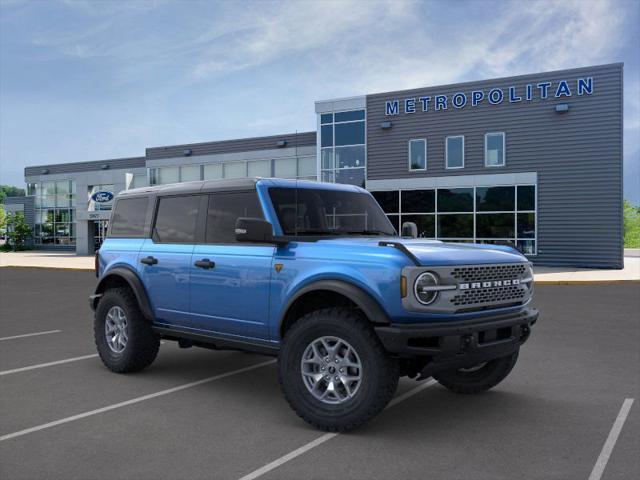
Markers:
point(230, 282)
point(165, 259)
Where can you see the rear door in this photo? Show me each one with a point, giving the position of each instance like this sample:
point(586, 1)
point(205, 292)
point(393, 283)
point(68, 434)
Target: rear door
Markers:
point(165, 258)
point(230, 281)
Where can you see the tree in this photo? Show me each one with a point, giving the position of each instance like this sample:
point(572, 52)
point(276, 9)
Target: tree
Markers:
point(631, 225)
point(17, 231)
point(10, 191)
point(3, 218)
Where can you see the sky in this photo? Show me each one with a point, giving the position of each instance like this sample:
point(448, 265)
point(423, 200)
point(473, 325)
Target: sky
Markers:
point(90, 80)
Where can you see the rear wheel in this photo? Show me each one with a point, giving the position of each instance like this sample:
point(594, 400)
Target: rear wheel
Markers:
point(478, 378)
point(124, 338)
point(333, 370)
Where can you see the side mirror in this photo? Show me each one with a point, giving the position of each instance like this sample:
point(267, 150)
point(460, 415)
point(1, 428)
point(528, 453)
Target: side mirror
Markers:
point(410, 230)
point(255, 230)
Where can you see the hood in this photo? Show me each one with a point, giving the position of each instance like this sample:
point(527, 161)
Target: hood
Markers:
point(434, 252)
point(438, 253)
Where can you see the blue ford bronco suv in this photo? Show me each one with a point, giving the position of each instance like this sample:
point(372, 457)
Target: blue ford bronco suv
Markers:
point(312, 273)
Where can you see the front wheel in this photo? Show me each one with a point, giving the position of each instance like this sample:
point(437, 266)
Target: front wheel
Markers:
point(478, 378)
point(333, 370)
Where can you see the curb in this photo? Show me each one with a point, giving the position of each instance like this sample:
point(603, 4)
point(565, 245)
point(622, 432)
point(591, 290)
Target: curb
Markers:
point(77, 269)
point(587, 282)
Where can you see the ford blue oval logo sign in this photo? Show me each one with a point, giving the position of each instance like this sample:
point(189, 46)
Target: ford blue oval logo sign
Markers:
point(102, 197)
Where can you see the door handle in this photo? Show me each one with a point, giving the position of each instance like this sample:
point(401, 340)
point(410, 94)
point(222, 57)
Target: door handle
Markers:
point(205, 263)
point(149, 260)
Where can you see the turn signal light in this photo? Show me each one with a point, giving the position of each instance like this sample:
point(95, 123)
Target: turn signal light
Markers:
point(403, 286)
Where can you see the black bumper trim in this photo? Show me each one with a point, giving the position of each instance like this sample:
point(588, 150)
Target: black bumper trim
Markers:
point(484, 338)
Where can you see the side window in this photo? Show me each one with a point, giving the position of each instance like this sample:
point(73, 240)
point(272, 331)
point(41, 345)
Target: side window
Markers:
point(225, 209)
point(176, 219)
point(494, 146)
point(128, 217)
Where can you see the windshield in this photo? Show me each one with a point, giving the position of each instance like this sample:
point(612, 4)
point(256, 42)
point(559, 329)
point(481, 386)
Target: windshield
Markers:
point(307, 211)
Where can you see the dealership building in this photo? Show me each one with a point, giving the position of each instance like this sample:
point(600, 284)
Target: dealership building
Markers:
point(533, 161)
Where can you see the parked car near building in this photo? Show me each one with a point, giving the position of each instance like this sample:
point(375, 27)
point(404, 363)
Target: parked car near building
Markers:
point(315, 274)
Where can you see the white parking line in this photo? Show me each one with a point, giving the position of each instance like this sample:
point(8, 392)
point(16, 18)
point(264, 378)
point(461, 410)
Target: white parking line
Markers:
point(132, 401)
point(29, 335)
point(48, 364)
point(601, 463)
point(326, 437)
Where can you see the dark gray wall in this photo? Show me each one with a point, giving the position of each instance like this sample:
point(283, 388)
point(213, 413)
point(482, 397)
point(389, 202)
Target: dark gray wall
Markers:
point(115, 164)
point(230, 146)
point(577, 155)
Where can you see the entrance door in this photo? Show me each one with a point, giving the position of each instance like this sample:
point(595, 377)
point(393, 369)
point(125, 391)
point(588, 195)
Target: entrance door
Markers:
point(99, 232)
point(230, 282)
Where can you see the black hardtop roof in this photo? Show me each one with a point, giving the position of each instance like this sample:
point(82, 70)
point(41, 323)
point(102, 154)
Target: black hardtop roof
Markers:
point(193, 187)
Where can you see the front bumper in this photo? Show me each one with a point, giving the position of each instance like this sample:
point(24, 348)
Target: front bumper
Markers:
point(455, 345)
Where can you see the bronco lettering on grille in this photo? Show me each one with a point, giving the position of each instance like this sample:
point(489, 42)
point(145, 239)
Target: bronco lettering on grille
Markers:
point(494, 283)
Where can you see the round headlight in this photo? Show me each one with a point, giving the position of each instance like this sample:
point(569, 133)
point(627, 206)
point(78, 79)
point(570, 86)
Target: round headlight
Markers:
point(423, 288)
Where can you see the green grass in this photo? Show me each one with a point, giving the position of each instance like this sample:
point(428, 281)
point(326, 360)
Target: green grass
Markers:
point(631, 225)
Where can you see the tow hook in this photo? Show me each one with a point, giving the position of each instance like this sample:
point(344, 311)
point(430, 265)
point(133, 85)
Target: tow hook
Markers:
point(468, 342)
point(526, 331)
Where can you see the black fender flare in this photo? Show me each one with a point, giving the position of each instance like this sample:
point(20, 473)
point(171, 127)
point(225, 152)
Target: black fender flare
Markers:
point(134, 282)
point(365, 302)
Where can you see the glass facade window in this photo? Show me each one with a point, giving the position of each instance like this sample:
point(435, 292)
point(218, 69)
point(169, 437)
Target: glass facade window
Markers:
point(454, 152)
point(455, 200)
point(501, 214)
point(190, 173)
point(259, 168)
point(418, 154)
point(289, 167)
point(213, 171)
point(235, 170)
point(138, 180)
point(343, 147)
point(54, 214)
point(494, 147)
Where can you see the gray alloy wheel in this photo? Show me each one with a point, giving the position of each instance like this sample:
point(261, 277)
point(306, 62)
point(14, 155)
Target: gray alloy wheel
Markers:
point(331, 370)
point(115, 329)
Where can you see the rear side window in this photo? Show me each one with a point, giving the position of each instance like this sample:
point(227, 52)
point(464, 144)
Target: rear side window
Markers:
point(176, 219)
point(128, 217)
point(225, 209)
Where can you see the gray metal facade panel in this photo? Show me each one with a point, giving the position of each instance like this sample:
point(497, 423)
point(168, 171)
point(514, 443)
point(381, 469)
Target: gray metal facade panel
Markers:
point(577, 155)
point(113, 164)
point(231, 146)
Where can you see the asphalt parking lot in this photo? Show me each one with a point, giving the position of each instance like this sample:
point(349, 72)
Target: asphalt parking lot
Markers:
point(562, 414)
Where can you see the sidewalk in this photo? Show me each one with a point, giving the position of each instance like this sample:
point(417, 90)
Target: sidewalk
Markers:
point(543, 275)
point(46, 259)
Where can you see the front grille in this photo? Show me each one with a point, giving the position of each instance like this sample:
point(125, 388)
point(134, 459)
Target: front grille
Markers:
point(495, 295)
point(481, 273)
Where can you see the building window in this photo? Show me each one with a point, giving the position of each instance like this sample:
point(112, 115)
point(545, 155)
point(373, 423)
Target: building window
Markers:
point(502, 214)
point(55, 213)
point(494, 150)
point(455, 152)
point(418, 154)
point(343, 147)
point(213, 171)
point(190, 173)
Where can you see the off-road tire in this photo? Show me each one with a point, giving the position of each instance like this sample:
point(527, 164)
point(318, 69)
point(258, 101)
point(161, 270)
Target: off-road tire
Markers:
point(380, 373)
point(142, 344)
point(487, 377)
